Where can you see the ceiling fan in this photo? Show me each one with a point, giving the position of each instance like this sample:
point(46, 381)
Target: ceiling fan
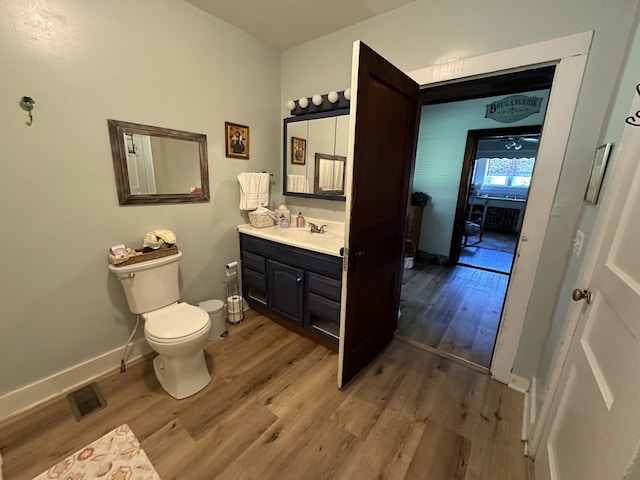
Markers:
point(516, 142)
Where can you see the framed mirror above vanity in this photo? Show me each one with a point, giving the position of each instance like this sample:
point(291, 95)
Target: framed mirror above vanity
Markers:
point(315, 150)
point(158, 165)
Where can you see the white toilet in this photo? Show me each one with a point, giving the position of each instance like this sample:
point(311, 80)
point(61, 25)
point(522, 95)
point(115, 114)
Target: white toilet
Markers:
point(177, 331)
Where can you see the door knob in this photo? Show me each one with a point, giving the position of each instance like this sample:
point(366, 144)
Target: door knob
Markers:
point(582, 295)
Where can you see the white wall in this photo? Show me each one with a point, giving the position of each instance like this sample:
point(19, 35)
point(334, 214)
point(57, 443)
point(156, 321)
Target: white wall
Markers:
point(425, 33)
point(156, 62)
point(442, 141)
point(611, 132)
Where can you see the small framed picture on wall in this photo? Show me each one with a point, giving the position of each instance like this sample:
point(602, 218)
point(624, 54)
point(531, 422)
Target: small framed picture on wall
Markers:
point(597, 173)
point(236, 140)
point(298, 150)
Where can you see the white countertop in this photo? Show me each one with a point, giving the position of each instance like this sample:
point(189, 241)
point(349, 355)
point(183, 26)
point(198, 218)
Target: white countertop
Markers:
point(328, 243)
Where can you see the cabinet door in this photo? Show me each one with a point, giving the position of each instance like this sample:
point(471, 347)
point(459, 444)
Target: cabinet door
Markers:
point(285, 291)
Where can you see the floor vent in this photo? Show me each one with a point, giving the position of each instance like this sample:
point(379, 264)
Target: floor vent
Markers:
point(85, 401)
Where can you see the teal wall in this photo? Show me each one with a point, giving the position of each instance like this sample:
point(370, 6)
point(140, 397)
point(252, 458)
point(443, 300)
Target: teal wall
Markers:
point(441, 144)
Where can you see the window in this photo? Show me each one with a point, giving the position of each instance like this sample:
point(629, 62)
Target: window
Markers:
point(509, 172)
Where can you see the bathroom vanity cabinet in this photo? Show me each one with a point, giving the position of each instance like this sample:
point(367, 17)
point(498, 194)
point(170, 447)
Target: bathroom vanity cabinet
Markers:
point(299, 286)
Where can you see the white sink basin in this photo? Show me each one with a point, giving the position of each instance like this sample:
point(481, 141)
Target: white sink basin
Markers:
point(304, 235)
point(330, 242)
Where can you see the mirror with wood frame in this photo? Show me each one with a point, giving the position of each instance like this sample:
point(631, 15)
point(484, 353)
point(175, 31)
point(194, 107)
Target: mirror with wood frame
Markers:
point(325, 133)
point(329, 174)
point(155, 165)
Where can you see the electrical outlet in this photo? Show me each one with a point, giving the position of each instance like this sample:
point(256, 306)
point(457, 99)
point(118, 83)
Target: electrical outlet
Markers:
point(577, 243)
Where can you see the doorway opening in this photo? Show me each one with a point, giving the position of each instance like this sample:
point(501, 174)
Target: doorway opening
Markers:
point(452, 299)
point(494, 187)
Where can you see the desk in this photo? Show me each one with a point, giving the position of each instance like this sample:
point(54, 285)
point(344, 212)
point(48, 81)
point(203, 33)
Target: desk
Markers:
point(500, 202)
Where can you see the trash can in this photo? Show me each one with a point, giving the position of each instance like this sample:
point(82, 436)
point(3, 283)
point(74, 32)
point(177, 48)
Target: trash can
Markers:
point(215, 309)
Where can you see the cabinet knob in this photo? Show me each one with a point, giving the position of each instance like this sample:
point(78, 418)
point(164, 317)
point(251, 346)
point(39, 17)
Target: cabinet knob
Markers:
point(299, 279)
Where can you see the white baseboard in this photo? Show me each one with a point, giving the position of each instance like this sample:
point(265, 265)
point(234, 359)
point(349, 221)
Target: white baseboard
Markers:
point(65, 381)
point(524, 434)
point(528, 388)
point(533, 400)
point(519, 384)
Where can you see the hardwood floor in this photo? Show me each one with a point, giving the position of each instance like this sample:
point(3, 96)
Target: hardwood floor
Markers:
point(455, 310)
point(495, 252)
point(273, 411)
point(476, 256)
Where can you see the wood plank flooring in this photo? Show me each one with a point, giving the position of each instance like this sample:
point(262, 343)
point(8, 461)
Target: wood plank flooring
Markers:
point(495, 252)
point(455, 310)
point(273, 411)
point(480, 257)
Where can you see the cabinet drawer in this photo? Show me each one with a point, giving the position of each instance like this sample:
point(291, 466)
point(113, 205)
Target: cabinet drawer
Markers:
point(325, 287)
point(254, 262)
point(255, 279)
point(324, 308)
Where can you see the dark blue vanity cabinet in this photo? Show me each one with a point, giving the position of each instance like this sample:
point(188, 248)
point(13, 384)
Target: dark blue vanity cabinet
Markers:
point(285, 291)
point(300, 286)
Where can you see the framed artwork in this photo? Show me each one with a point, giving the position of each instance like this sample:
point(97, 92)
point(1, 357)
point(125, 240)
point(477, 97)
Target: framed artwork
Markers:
point(597, 173)
point(298, 150)
point(236, 140)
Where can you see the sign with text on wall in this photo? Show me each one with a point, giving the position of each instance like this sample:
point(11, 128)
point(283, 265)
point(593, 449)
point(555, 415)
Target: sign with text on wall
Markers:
point(513, 108)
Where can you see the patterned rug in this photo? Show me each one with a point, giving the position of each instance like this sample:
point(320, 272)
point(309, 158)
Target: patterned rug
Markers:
point(115, 456)
point(499, 242)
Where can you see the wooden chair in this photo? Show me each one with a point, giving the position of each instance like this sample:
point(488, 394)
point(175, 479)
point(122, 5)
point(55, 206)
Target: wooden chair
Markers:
point(474, 225)
point(470, 230)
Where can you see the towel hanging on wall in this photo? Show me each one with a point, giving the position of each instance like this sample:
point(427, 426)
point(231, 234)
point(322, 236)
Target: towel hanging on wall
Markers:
point(254, 190)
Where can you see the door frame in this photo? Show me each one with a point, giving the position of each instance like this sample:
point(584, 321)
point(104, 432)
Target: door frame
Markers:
point(465, 179)
point(569, 55)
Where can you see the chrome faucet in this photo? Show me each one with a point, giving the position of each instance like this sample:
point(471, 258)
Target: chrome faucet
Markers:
point(316, 229)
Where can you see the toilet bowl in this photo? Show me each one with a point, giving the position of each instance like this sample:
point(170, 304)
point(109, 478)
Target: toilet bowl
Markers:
point(176, 331)
point(178, 334)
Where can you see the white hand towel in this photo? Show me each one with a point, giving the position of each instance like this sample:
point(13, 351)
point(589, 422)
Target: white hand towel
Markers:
point(297, 183)
point(254, 190)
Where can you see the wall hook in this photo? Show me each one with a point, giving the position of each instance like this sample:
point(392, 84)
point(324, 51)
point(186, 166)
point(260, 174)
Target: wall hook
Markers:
point(27, 103)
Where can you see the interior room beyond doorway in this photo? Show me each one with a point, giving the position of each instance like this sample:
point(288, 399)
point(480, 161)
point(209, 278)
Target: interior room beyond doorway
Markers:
point(449, 308)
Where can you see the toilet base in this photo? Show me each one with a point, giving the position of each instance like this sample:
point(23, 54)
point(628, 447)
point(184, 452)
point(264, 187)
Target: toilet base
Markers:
point(182, 377)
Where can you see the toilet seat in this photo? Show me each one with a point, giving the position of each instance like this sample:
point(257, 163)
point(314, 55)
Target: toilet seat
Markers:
point(178, 322)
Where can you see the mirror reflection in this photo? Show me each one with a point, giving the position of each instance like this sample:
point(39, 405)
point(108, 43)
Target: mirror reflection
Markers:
point(329, 174)
point(315, 150)
point(158, 165)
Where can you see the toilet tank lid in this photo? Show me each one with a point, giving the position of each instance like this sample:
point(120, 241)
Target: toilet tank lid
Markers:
point(175, 321)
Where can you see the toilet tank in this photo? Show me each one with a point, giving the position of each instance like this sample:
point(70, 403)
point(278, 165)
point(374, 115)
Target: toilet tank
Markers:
point(150, 285)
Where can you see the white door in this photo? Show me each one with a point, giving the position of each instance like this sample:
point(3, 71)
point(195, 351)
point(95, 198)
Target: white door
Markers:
point(594, 427)
point(140, 164)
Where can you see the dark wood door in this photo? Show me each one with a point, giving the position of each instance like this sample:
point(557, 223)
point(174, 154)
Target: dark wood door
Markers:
point(385, 109)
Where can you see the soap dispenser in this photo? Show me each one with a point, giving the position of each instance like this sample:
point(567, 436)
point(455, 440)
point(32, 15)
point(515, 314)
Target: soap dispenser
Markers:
point(300, 220)
point(283, 211)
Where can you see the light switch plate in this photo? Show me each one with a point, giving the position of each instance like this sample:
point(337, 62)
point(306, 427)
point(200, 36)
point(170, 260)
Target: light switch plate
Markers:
point(577, 243)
